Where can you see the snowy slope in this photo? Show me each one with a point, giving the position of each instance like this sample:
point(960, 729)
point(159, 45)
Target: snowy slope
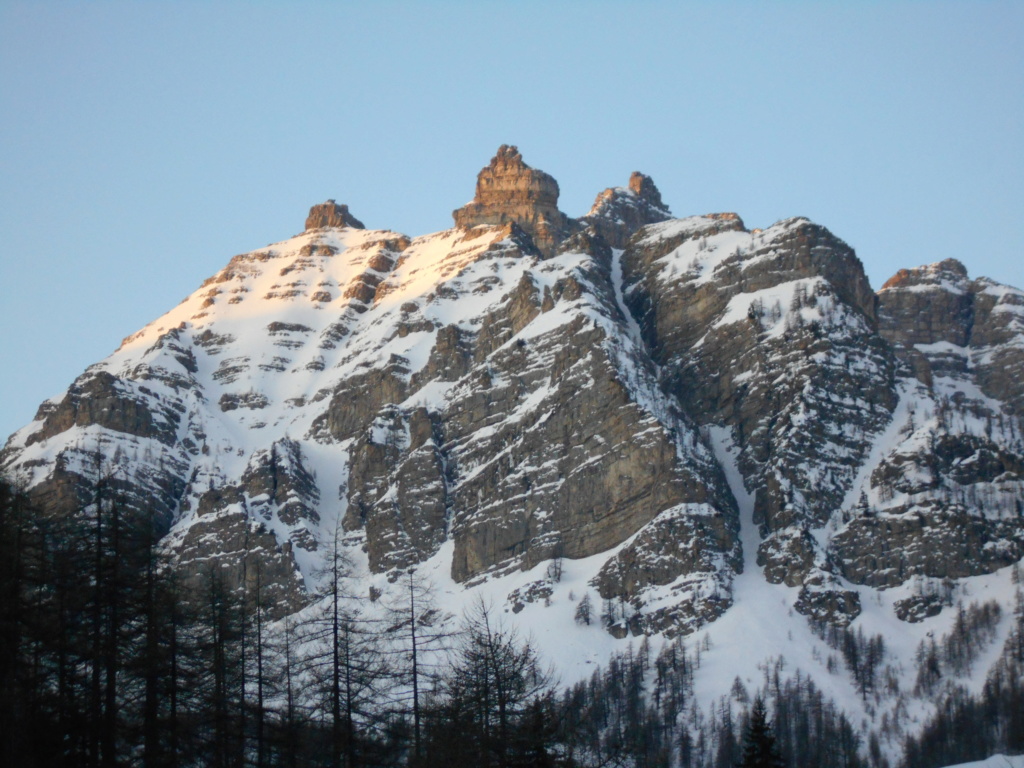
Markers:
point(996, 761)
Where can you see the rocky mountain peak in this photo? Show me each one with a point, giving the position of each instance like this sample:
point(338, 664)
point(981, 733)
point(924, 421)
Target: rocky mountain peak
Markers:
point(510, 191)
point(331, 214)
point(618, 212)
point(949, 271)
point(508, 156)
point(643, 187)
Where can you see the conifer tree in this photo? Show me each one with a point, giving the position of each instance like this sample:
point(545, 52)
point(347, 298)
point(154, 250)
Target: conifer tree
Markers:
point(759, 750)
point(346, 660)
point(498, 693)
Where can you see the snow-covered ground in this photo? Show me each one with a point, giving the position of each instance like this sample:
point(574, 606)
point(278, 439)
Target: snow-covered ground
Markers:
point(996, 761)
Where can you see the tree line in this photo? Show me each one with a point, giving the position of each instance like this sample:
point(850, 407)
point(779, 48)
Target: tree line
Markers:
point(109, 657)
point(968, 727)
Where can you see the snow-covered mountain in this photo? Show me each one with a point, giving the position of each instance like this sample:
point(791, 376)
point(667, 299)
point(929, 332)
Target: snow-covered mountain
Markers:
point(698, 427)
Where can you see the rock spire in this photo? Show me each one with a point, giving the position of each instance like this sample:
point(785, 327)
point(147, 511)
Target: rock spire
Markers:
point(510, 191)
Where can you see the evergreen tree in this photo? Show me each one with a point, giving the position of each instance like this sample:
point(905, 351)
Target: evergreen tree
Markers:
point(346, 662)
point(759, 750)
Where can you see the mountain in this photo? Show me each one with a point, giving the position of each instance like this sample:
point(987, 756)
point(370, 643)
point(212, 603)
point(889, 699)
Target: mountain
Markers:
point(711, 429)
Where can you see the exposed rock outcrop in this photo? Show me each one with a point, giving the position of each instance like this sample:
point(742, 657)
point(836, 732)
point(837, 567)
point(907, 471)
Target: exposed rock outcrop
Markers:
point(944, 324)
point(242, 554)
point(331, 214)
point(541, 448)
point(98, 398)
point(944, 499)
point(510, 191)
point(397, 489)
point(619, 212)
point(773, 334)
point(677, 550)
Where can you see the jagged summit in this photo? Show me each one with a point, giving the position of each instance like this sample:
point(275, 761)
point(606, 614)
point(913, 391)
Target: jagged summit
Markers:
point(642, 185)
point(618, 212)
point(331, 214)
point(510, 191)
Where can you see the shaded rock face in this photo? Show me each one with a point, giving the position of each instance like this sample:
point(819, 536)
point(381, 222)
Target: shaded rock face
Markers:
point(231, 526)
point(863, 424)
point(331, 214)
point(652, 559)
point(773, 334)
point(101, 399)
point(944, 324)
point(540, 449)
point(121, 433)
point(585, 472)
point(510, 191)
point(941, 540)
point(928, 305)
point(397, 490)
point(225, 543)
point(943, 500)
point(618, 212)
point(277, 480)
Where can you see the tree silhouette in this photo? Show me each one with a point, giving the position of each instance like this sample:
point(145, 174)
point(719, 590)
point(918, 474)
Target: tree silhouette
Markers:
point(759, 750)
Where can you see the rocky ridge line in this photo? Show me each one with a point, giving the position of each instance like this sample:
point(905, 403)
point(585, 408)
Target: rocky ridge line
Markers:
point(484, 387)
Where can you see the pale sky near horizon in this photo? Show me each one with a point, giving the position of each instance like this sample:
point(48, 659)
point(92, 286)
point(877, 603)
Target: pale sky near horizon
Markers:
point(142, 144)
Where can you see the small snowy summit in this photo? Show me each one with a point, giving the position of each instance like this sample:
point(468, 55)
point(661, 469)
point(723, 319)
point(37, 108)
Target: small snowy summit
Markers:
point(702, 430)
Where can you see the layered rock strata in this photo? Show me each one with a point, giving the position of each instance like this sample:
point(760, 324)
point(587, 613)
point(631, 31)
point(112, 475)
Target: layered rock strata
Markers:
point(772, 333)
point(944, 498)
point(510, 191)
point(526, 388)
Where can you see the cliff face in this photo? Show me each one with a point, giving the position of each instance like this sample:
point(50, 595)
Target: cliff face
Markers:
point(944, 499)
point(508, 190)
point(773, 334)
point(944, 324)
point(666, 403)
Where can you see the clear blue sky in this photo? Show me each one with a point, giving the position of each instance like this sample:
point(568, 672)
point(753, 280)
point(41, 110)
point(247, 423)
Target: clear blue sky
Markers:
point(143, 144)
